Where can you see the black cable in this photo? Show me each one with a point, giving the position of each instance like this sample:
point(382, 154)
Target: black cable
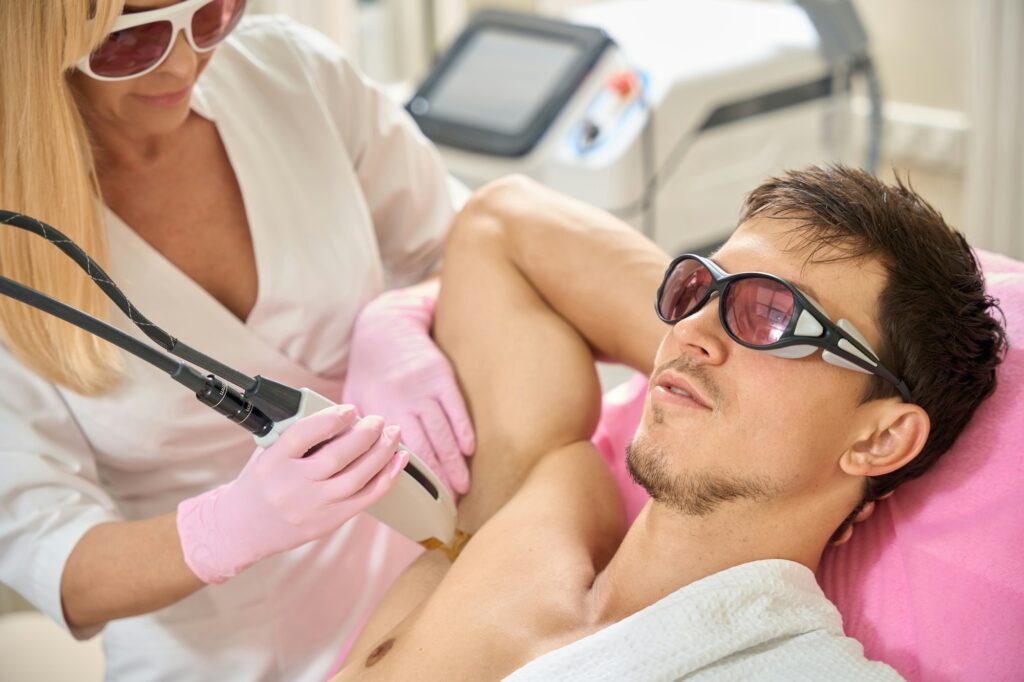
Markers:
point(39, 300)
point(274, 398)
point(209, 389)
point(103, 281)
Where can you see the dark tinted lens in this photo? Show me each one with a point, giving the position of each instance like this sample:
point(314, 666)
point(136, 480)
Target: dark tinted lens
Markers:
point(758, 310)
point(131, 51)
point(683, 289)
point(214, 21)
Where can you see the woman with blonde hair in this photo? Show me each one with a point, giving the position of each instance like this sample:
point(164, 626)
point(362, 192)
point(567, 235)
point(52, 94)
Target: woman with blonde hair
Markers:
point(249, 192)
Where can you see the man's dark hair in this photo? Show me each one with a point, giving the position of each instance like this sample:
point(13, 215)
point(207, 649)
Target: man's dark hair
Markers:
point(938, 329)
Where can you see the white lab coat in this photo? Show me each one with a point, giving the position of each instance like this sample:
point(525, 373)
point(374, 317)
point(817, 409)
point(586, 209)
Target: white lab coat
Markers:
point(344, 198)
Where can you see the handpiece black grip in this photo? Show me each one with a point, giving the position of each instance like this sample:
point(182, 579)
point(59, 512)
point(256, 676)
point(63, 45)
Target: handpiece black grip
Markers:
point(232, 405)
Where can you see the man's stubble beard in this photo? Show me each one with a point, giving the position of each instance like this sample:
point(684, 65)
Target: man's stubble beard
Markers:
point(691, 493)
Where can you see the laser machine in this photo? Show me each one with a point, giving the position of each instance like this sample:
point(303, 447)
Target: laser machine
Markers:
point(664, 112)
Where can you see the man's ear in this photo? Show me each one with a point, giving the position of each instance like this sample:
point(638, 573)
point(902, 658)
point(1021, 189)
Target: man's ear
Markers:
point(892, 436)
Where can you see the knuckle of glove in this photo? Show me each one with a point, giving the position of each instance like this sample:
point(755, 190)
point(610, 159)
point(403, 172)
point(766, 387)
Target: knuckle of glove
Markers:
point(345, 490)
point(279, 498)
point(294, 517)
point(412, 372)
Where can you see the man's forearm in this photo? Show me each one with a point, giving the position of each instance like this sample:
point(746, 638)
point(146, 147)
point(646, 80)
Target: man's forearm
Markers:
point(594, 270)
point(530, 279)
point(527, 375)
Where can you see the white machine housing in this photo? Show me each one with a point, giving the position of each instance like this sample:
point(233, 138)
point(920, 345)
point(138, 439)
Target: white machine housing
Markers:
point(734, 91)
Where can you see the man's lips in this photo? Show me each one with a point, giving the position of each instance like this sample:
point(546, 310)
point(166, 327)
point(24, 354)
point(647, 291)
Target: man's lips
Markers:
point(676, 386)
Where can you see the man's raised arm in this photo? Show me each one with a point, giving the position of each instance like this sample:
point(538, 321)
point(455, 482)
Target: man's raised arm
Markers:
point(531, 278)
point(593, 269)
point(531, 282)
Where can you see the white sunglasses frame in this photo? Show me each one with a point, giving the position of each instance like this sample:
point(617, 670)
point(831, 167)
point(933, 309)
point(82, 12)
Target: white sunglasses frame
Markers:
point(179, 15)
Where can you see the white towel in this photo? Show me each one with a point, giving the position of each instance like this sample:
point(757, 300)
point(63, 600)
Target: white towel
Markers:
point(765, 620)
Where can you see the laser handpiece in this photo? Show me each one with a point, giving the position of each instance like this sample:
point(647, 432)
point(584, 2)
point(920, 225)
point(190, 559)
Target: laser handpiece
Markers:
point(418, 505)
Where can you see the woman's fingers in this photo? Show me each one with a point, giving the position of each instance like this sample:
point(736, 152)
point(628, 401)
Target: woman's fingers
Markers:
point(845, 537)
point(363, 469)
point(865, 513)
point(376, 487)
point(454, 406)
point(414, 437)
point(333, 456)
point(309, 432)
point(449, 456)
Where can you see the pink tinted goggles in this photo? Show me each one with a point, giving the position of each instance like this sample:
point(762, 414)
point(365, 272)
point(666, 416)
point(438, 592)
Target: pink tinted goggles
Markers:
point(140, 42)
point(765, 312)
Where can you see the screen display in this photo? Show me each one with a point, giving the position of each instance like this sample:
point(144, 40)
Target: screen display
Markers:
point(501, 79)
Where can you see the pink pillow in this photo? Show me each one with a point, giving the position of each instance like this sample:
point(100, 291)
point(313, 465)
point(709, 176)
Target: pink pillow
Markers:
point(930, 584)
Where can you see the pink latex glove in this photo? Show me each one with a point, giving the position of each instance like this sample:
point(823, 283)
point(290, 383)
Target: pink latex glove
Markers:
point(282, 500)
point(396, 370)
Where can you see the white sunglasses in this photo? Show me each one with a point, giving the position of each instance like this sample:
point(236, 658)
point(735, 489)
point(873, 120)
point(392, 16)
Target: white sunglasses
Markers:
point(140, 42)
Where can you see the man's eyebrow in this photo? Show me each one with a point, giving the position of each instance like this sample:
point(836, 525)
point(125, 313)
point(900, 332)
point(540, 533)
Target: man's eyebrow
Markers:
point(797, 283)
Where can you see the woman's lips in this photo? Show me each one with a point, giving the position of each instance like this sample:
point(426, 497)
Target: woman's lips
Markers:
point(167, 99)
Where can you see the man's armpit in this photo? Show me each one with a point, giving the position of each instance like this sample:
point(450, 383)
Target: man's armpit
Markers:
point(562, 526)
point(569, 507)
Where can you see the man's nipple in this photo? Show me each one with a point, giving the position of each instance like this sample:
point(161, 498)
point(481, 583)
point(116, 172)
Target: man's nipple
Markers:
point(380, 652)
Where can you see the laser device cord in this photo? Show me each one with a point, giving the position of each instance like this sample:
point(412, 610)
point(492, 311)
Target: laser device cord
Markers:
point(418, 506)
point(262, 402)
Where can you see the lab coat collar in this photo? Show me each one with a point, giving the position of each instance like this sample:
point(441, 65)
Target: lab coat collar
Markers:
point(153, 282)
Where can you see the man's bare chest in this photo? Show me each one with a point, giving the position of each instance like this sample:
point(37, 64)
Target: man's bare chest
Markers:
point(483, 636)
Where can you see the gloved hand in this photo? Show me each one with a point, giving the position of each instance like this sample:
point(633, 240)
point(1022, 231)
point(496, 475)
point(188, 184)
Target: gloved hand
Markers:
point(396, 370)
point(282, 500)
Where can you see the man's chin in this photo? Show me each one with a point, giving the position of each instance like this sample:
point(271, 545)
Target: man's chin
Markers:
point(647, 467)
point(692, 493)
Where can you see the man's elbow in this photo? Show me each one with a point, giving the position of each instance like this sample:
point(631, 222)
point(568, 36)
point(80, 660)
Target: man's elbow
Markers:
point(506, 199)
point(496, 216)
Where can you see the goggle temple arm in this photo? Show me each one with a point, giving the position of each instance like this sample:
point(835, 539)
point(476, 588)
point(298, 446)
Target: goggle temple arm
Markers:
point(852, 351)
point(844, 346)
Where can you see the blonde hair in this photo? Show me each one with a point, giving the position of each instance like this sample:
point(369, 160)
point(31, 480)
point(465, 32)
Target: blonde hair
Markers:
point(47, 171)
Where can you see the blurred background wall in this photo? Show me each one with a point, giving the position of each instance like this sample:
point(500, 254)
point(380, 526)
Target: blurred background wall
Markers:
point(951, 72)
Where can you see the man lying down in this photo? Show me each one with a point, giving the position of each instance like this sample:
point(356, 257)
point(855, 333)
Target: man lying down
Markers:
point(779, 404)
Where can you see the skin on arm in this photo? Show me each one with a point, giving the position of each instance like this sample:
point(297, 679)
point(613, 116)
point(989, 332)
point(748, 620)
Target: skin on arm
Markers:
point(125, 569)
point(536, 277)
point(596, 271)
point(529, 380)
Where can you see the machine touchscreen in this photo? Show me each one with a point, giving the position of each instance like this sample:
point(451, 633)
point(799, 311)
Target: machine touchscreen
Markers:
point(498, 88)
point(501, 79)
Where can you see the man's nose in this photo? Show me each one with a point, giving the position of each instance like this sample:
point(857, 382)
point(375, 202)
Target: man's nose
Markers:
point(701, 336)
